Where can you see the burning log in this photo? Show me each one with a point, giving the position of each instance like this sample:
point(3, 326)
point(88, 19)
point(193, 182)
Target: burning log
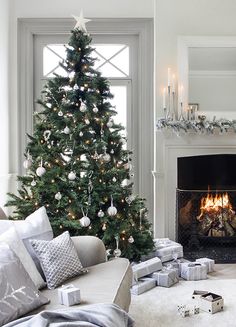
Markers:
point(217, 218)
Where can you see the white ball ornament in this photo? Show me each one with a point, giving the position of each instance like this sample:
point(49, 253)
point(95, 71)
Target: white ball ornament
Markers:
point(27, 163)
point(95, 110)
point(72, 176)
point(60, 113)
point(101, 213)
point(87, 121)
point(110, 123)
point(84, 221)
point(81, 134)
point(33, 183)
point(114, 179)
point(106, 157)
point(83, 107)
point(66, 130)
point(112, 211)
point(40, 171)
point(58, 196)
point(131, 239)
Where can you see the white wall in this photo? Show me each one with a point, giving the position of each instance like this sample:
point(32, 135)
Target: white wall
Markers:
point(4, 104)
point(172, 19)
point(91, 8)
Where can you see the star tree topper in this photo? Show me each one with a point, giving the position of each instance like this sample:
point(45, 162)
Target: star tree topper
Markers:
point(81, 21)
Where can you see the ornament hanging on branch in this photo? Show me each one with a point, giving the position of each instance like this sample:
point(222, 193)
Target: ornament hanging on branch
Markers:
point(129, 199)
point(101, 213)
point(28, 161)
point(117, 251)
point(104, 227)
point(33, 183)
point(40, 171)
point(85, 220)
point(46, 135)
point(66, 130)
point(95, 109)
point(110, 123)
point(60, 113)
point(58, 196)
point(83, 107)
point(131, 239)
point(72, 176)
point(112, 211)
point(105, 157)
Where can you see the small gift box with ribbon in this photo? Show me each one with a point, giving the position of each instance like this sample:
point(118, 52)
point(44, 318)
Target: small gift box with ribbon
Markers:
point(146, 268)
point(175, 264)
point(143, 285)
point(208, 262)
point(165, 277)
point(69, 295)
point(193, 271)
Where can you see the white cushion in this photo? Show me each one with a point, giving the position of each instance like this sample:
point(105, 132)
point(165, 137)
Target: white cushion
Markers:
point(15, 243)
point(36, 226)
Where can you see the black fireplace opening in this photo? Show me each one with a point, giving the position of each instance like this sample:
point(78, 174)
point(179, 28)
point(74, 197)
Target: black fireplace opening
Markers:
point(206, 206)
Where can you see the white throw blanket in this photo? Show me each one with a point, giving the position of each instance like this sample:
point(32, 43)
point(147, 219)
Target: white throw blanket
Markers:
point(94, 315)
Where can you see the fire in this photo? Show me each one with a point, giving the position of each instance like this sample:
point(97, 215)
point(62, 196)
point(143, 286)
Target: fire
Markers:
point(215, 203)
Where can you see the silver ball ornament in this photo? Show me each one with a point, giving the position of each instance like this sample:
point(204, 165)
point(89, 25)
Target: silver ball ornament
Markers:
point(114, 179)
point(60, 113)
point(72, 176)
point(112, 211)
point(27, 163)
point(101, 213)
point(131, 239)
point(81, 134)
point(95, 110)
point(66, 130)
point(106, 157)
point(117, 253)
point(84, 221)
point(33, 183)
point(40, 171)
point(58, 196)
point(110, 123)
point(83, 107)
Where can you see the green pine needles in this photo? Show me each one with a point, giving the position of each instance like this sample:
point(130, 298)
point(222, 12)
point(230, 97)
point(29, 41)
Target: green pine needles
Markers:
point(76, 163)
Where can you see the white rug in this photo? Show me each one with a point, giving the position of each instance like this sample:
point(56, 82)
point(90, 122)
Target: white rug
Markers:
point(158, 307)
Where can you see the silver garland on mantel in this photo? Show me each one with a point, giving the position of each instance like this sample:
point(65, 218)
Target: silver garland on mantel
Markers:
point(199, 126)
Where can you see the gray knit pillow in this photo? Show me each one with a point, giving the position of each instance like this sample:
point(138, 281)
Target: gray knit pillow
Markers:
point(58, 258)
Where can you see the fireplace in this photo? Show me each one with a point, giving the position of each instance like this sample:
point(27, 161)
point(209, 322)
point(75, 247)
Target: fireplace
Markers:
point(206, 206)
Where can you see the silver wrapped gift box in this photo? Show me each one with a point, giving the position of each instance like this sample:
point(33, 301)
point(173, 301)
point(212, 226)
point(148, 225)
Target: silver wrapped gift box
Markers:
point(69, 295)
point(166, 277)
point(167, 250)
point(146, 268)
point(143, 285)
point(175, 264)
point(208, 262)
point(193, 271)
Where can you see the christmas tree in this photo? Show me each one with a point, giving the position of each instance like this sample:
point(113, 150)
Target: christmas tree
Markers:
point(76, 162)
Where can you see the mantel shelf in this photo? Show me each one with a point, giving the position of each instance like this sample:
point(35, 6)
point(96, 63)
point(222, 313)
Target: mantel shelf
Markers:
point(200, 126)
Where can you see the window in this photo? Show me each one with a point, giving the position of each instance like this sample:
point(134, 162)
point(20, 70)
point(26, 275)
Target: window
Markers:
point(121, 48)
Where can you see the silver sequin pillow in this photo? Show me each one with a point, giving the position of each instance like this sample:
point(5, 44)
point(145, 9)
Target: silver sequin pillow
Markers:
point(18, 294)
point(58, 258)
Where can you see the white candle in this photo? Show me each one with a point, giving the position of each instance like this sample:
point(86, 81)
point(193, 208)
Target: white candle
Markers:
point(169, 77)
point(181, 92)
point(164, 97)
point(173, 83)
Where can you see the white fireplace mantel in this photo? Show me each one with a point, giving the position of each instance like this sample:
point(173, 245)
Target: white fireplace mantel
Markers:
point(169, 149)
